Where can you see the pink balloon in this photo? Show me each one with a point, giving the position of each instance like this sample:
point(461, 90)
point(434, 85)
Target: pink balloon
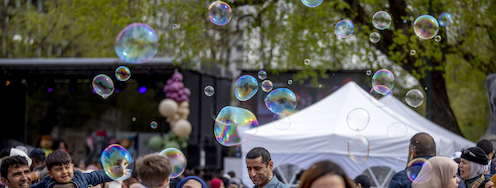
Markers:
point(174, 95)
point(187, 91)
point(181, 85)
point(175, 86)
point(177, 76)
point(169, 81)
point(181, 92)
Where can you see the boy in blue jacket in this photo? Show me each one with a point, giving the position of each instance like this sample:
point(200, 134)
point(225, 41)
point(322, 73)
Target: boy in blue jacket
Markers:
point(62, 175)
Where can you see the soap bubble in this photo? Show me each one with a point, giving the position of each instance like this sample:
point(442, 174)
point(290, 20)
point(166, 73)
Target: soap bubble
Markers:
point(290, 82)
point(374, 37)
point(246, 87)
point(426, 27)
point(344, 28)
point(380, 99)
point(122, 73)
point(231, 124)
point(175, 26)
point(209, 91)
point(381, 20)
point(385, 78)
point(404, 21)
point(281, 121)
point(262, 74)
point(445, 19)
point(219, 13)
point(153, 124)
point(414, 98)
point(358, 149)
point(103, 85)
point(136, 43)
point(307, 61)
point(134, 118)
point(267, 85)
point(281, 100)
point(177, 161)
point(414, 167)
point(112, 158)
point(413, 52)
point(437, 38)
point(397, 130)
point(312, 3)
point(368, 72)
point(358, 119)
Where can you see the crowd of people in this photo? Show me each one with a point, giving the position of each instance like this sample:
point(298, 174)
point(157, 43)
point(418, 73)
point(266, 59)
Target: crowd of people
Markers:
point(471, 168)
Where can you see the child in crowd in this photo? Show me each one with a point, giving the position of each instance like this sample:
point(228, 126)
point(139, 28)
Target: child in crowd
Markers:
point(154, 171)
point(62, 175)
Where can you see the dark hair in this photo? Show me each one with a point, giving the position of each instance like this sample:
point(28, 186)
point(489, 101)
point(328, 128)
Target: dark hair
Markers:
point(57, 158)
point(321, 169)
point(363, 180)
point(5, 153)
point(423, 144)
point(14, 161)
point(486, 145)
point(232, 174)
point(259, 152)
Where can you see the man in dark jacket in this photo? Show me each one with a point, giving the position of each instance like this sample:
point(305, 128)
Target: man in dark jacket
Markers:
point(422, 145)
point(487, 146)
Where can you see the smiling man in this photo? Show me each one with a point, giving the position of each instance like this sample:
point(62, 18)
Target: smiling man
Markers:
point(15, 172)
point(260, 167)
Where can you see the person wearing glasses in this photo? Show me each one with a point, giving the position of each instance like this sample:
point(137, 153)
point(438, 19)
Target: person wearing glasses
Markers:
point(473, 165)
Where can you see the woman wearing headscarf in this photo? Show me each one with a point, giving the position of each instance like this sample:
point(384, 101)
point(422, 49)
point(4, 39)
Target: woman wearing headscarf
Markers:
point(473, 165)
point(325, 174)
point(437, 172)
point(193, 182)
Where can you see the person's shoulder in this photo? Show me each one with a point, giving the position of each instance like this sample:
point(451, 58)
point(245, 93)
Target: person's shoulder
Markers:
point(281, 184)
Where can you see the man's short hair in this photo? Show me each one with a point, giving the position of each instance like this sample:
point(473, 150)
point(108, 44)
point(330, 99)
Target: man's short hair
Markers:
point(5, 153)
point(423, 144)
point(14, 161)
point(363, 180)
point(153, 170)
point(486, 145)
point(259, 152)
point(57, 158)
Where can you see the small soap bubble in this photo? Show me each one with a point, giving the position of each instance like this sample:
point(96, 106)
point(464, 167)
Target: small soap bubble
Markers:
point(414, 167)
point(397, 130)
point(103, 85)
point(153, 124)
point(404, 21)
point(267, 85)
point(307, 61)
point(175, 26)
point(358, 149)
point(209, 91)
point(368, 72)
point(231, 124)
point(262, 75)
point(177, 160)
point(381, 20)
point(219, 13)
point(246, 87)
point(281, 121)
point(425, 88)
point(122, 73)
point(374, 37)
point(413, 52)
point(445, 19)
point(113, 159)
point(312, 3)
point(437, 38)
point(136, 43)
point(414, 98)
point(358, 119)
point(281, 101)
point(344, 28)
point(426, 27)
point(380, 99)
point(384, 78)
point(290, 82)
point(134, 118)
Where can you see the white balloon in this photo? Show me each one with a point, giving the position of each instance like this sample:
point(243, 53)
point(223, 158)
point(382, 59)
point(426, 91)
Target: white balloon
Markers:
point(167, 107)
point(182, 128)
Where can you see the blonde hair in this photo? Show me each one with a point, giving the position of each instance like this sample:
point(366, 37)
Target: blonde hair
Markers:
point(153, 170)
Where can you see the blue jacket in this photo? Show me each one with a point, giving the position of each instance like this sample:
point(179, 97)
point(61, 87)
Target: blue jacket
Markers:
point(82, 180)
point(401, 180)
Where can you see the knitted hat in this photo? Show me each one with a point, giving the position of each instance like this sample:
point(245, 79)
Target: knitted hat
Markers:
point(475, 154)
point(215, 183)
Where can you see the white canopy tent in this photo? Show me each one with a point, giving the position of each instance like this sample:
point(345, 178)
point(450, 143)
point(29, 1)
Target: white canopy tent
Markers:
point(320, 132)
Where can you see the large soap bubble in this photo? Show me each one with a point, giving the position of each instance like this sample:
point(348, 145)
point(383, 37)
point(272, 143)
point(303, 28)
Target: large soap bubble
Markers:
point(381, 20)
point(358, 149)
point(246, 87)
point(117, 162)
point(177, 160)
point(414, 98)
point(281, 100)
point(385, 78)
point(122, 73)
point(312, 3)
point(426, 27)
point(136, 43)
point(231, 124)
point(358, 119)
point(397, 130)
point(445, 19)
point(267, 85)
point(344, 28)
point(103, 85)
point(414, 167)
point(219, 13)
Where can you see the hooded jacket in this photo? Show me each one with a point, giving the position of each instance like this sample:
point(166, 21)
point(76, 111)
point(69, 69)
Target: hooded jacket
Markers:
point(82, 180)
